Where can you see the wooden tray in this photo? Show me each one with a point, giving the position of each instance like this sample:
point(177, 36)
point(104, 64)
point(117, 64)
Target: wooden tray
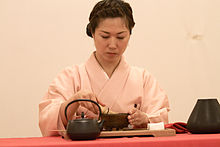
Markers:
point(132, 133)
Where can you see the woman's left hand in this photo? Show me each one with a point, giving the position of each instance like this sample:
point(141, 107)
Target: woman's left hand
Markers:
point(137, 118)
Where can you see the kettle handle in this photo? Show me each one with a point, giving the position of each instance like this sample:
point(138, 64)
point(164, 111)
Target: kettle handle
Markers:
point(83, 100)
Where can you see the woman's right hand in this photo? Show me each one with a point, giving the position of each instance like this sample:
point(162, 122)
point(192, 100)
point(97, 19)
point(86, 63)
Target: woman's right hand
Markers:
point(88, 105)
point(73, 108)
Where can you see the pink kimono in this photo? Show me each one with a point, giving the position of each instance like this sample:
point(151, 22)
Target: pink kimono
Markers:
point(126, 87)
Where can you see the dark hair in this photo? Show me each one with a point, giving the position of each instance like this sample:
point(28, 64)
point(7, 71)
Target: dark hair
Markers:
point(110, 9)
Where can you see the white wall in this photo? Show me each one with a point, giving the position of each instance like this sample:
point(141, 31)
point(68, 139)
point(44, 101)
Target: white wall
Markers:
point(176, 40)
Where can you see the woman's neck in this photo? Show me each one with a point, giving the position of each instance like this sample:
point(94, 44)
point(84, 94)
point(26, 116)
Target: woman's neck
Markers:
point(109, 68)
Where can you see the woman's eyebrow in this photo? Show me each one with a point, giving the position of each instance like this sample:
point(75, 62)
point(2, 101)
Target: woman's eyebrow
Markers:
point(105, 32)
point(109, 33)
point(121, 32)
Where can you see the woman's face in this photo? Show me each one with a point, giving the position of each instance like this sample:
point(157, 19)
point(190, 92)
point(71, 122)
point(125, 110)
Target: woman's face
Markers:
point(111, 39)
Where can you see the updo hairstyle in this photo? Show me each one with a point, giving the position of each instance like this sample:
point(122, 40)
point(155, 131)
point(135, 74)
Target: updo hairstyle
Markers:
point(110, 9)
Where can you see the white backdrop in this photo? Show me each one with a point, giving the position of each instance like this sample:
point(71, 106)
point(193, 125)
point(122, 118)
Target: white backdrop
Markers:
point(176, 40)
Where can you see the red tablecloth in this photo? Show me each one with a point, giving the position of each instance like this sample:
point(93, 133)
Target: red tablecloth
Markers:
point(180, 140)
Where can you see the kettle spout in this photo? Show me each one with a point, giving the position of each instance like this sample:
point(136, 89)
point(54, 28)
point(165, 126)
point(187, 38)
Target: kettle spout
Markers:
point(101, 125)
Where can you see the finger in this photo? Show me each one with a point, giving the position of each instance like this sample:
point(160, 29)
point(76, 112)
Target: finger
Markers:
point(88, 105)
point(132, 111)
point(138, 106)
point(134, 114)
point(133, 121)
point(91, 107)
point(95, 107)
point(130, 120)
point(129, 117)
point(102, 104)
point(93, 97)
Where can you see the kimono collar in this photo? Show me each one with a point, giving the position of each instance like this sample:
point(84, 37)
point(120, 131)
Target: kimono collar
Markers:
point(93, 63)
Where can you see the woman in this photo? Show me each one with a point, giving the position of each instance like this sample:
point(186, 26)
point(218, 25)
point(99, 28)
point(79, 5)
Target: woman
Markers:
point(105, 77)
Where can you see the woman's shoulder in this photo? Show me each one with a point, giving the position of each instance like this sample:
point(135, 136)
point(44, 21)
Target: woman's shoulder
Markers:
point(71, 68)
point(143, 73)
point(70, 71)
point(140, 70)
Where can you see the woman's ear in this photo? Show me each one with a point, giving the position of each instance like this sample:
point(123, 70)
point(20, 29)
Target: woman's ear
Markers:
point(93, 35)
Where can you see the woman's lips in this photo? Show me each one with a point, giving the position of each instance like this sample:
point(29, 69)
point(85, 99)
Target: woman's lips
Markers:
point(112, 54)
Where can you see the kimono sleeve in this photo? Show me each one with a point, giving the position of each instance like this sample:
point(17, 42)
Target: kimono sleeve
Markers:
point(62, 88)
point(155, 102)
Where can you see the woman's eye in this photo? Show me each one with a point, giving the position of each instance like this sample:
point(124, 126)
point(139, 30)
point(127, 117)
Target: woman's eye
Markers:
point(105, 37)
point(120, 38)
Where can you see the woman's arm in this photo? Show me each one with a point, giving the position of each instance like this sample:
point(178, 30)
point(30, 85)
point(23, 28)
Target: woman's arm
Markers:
point(60, 90)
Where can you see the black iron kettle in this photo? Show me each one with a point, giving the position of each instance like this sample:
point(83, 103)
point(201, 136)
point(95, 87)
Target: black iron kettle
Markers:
point(205, 117)
point(84, 128)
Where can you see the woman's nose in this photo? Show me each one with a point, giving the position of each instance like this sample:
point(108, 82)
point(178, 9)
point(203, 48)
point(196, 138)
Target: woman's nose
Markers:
point(112, 43)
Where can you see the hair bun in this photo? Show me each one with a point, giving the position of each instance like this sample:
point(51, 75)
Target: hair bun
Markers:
point(88, 30)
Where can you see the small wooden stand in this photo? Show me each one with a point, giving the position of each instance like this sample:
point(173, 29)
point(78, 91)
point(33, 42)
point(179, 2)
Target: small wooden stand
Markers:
point(132, 133)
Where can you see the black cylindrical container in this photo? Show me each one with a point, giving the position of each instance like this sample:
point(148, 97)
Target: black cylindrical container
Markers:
point(205, 117)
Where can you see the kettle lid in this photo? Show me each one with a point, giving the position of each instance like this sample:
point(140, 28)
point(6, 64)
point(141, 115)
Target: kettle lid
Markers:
point(83, 119)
